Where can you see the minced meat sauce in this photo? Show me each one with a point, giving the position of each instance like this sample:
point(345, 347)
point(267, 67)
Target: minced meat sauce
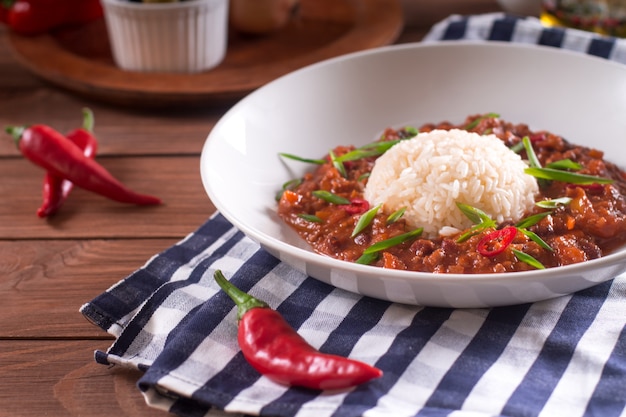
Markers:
point(592, 224)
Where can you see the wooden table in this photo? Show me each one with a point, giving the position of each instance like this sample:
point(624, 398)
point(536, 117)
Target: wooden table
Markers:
point(49, 268)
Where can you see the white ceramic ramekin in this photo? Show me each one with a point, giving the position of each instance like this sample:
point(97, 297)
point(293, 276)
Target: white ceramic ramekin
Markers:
point(186, 36)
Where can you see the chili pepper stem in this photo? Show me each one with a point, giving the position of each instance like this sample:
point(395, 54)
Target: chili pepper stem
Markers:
point(245, 302)
point(16, 132)
point(88, 120)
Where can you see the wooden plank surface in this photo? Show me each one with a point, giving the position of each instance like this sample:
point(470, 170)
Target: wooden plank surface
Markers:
point(50, 267)
point(42, 286)
point(60, 378)
point(176, 180)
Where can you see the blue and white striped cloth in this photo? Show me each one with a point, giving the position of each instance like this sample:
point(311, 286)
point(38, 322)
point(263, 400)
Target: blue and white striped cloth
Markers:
point(562, 357)
point(529, 30)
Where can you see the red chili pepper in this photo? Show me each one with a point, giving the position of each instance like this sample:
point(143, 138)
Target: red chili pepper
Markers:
point(497, 241)
point(277, 351)
point(56, 189)
point(52, 151)
point(34, 17)
point(356, 206)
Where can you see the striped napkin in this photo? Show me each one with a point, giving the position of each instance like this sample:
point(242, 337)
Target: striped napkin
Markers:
point(561, 357)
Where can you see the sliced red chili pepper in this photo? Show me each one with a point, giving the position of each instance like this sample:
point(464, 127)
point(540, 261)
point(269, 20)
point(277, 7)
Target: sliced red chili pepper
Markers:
point(56, 189)
point(537, 137)
point(356, 206)
point(52, 151)
point(276, 350)
point(497, 241)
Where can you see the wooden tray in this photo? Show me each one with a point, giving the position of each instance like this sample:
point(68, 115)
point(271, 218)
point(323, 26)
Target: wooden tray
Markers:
point(80, 60)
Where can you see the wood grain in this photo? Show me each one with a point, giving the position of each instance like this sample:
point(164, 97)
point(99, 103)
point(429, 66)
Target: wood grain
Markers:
point(43, 286)
point(176, 180)
point(60, 378)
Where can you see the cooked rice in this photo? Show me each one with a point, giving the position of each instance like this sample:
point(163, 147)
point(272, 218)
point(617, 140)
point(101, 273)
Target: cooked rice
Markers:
point(430, 173)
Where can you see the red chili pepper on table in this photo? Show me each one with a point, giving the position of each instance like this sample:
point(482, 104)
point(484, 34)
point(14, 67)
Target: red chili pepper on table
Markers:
point(52, 151)
point(277, 351)
point(34, 17)
point(57, 189)
point(497, 241)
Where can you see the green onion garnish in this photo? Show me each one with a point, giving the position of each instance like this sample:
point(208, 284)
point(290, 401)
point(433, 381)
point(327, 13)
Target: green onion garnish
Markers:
point(363, 176)
point(300, 159)
point(532, 156)
point(412, 131)
point(393, 241)
point(565, 164)
point(330, 197)
point(535, 238)
point(365, 220)
point(338, 164)
point(310, 218)
point(480, 219)
point(531, 220)
point(554, 203)
point(367, 258)
point(526, 258)
point(566, 176)
point(289, 185)
point(476, 121)
point(396, 215)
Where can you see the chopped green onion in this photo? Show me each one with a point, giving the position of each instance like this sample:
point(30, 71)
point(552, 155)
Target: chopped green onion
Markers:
point(330, 197)
point(396, 215)
point(535, 238)
point(289, 185)
point(531, 220)
point(310, 218)
point(393, 241)
point(565, 164)
point(411, 131)
point(476, 121)
point(517, 148)
point(565, 176)
point(338, 164)
point(480, 219)
point(554, 203)
point(300, 159)
point(532, 156)
point(476, 215)
point(363, 176)
point(367, 258)
point(365, 220)
point(357, 154)
point(526, 258)
point(380, 145)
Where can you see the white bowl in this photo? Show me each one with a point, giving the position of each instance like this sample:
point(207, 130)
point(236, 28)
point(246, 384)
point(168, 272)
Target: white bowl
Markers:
point(351, 99)
point(180, 37)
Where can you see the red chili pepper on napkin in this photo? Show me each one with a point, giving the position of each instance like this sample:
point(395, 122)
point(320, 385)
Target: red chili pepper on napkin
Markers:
point(57, 189)
point(277, 351)
point(34, 17)
point(52, 151)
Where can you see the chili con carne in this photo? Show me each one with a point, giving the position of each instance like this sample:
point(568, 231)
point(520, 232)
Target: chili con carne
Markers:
point(276, 350)
point(52, 151)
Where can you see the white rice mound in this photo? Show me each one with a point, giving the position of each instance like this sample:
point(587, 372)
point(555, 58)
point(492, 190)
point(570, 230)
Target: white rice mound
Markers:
point(431, 172)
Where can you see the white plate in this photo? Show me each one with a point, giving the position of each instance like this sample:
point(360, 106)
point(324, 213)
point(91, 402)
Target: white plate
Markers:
point(351, 99)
